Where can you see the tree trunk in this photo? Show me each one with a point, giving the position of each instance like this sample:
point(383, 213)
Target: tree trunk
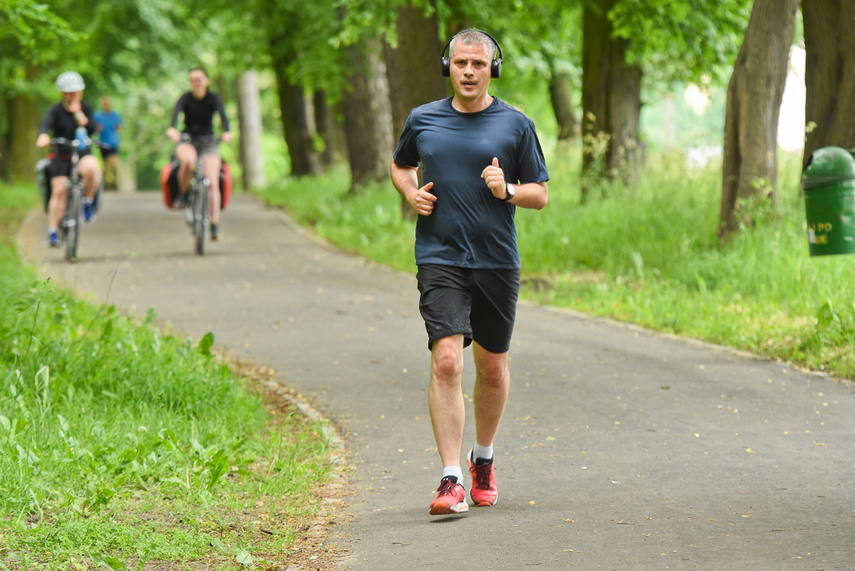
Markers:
point(24, 130)
point(611, 102)
point(414, 70)
point(325, 125)
point(562, 105)
point(23, 153)
point(829, 74)
point(296, 124)
point(5, 134)
point(249, 112)
point(367, 117)
point(749, 167)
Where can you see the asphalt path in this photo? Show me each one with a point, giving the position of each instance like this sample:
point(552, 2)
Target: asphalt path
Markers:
point(620, 448)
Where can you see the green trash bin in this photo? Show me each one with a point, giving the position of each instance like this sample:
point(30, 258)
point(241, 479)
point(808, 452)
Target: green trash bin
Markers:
point(829, 187)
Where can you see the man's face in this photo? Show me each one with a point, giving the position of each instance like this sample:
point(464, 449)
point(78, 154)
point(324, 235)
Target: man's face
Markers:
point(470, 71)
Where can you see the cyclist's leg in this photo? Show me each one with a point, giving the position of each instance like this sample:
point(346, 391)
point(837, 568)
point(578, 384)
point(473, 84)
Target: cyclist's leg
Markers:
point(90, 172)
point(186, 155)
point(211, 168)
point(110, 157)
point(58, 196)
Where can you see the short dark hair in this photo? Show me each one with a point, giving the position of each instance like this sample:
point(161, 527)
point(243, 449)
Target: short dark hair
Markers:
point(199, 68)
point(474, 36)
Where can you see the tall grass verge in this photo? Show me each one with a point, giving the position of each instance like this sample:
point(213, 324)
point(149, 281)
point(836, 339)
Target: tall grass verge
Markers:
point(648, 256)
point(123, 447)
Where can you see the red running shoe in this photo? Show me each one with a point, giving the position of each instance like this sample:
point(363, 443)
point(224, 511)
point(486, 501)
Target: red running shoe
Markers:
point(450, 498)
point(484, 492)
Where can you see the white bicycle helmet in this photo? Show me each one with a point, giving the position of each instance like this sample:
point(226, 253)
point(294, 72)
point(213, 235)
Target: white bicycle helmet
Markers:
point(69, 82)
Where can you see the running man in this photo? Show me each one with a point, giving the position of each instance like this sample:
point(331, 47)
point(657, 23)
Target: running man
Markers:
point(482, 159)
point(109, 123)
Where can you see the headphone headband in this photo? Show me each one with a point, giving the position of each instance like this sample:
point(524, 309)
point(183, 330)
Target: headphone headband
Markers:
point(495, 65)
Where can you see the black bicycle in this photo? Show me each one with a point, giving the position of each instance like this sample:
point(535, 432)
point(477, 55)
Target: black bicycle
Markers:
point(72, 220)
point(198, 210)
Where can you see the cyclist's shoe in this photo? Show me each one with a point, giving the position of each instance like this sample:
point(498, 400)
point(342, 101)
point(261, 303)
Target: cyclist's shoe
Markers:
point(188, 214)
point(215, 231)
point(53, 239)
point(88, 211)
point(450, 498)
point(484, 491)
point(180, 201)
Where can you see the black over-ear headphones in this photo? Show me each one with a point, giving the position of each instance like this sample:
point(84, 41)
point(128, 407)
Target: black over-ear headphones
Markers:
point(495, 65)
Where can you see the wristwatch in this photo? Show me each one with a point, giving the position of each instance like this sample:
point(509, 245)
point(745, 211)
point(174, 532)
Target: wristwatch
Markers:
point(510, 191)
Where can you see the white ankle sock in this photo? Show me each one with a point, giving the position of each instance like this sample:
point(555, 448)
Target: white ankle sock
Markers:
point(485, 452)
point(453, 471)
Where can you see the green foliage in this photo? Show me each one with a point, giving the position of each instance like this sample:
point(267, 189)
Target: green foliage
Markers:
point(684, 40)
point(25, 25)
point(310, 35)
point(541, 39)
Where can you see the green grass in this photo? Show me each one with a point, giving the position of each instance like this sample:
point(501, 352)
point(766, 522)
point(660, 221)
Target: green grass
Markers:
point(648, 257)
point(125, 447)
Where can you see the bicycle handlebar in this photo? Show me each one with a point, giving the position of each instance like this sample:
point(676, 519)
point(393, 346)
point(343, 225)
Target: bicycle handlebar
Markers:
point(188, 138)
point(71, 142)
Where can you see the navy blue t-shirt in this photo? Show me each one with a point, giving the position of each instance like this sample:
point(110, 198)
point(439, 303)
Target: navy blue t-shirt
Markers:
point(469, 227)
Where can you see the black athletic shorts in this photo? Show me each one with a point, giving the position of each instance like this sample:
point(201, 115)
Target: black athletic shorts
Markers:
point(480, 304)
point(108, 150)
point(60, 165)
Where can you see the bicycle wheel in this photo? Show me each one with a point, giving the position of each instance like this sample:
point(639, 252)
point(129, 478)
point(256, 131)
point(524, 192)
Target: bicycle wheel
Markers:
point(200, 214)
point(73, 220)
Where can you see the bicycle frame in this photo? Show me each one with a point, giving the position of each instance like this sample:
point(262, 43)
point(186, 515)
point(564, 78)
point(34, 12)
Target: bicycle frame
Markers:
point(199, 212)
point(72, 220)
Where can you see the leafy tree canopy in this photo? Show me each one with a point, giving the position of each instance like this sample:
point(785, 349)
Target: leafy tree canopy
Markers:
point(26, 25)
point(683, 40)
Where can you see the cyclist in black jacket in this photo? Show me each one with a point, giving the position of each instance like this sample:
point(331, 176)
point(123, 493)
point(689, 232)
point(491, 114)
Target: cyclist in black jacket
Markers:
point(199, 107)
point(62, 120)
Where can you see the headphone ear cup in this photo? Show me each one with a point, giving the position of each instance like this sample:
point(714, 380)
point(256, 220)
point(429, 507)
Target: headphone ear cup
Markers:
point(496, 68)
point(446, 61)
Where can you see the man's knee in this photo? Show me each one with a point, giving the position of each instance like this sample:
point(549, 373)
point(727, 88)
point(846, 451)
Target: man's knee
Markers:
point(447, 358)
point(492, 368)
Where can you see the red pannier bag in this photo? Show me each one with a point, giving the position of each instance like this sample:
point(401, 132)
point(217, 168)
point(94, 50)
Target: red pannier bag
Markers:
point(169, 182)
point(225, 184)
